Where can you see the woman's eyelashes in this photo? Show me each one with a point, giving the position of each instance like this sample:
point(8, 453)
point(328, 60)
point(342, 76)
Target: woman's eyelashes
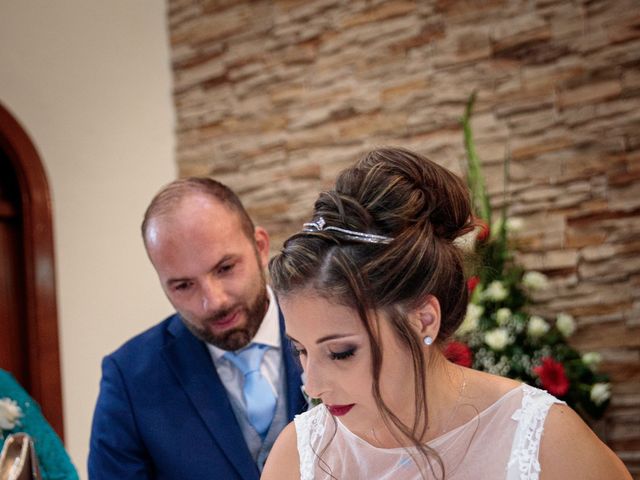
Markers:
point(343, 355)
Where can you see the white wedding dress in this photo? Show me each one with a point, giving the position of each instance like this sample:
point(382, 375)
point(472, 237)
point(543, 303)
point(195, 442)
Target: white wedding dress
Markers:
point(501, 442)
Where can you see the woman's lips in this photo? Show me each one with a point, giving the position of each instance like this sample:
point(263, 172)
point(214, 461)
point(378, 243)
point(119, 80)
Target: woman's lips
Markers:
point(339, 410)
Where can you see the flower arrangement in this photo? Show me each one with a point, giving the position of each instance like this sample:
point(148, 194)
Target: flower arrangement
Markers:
point(10, 414)
point(498, 335)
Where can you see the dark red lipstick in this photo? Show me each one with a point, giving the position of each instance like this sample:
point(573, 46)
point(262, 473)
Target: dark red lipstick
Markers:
point(339, 410)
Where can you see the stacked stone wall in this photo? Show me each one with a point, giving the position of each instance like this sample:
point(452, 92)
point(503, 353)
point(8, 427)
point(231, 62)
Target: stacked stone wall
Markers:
point(275, 97)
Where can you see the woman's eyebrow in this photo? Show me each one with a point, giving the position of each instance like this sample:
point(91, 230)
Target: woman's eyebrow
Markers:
point(326, 338)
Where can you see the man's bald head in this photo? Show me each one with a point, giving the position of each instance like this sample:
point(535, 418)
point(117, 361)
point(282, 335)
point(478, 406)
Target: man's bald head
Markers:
point(169, 198)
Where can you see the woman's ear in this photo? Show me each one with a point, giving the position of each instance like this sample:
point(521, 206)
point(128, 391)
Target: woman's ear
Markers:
point(426, 318)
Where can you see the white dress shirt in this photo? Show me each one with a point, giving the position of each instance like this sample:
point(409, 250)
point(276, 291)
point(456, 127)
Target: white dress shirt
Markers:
point(271, 366)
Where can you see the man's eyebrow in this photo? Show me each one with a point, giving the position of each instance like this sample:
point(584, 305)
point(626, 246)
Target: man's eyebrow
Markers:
point(223, 260)
point(171, 281)
point(326, 338)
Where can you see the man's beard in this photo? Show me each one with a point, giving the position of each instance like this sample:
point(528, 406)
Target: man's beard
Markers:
point(235, 338)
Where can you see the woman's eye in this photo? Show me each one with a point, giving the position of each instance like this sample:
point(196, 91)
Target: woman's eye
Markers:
point(343, 355)
point(297, 352)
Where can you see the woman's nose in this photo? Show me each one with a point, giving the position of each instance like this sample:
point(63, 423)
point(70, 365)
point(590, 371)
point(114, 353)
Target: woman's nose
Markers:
point(314, 385)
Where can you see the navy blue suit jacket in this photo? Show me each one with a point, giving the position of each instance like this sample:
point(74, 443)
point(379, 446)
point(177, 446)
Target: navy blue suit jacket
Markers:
point(163, 413)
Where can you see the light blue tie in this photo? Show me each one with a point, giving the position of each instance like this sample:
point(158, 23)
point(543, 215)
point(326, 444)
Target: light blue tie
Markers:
point(258, 394)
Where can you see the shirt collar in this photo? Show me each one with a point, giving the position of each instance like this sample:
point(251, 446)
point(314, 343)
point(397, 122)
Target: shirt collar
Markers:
point(268, 333)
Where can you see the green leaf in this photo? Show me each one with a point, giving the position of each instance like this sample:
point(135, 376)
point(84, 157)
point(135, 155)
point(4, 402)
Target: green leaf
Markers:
point(475, 180)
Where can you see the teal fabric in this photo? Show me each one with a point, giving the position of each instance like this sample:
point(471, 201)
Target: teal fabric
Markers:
point(54, 461)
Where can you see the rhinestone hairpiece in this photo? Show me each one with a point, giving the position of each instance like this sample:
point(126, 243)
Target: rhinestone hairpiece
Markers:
point(320, 225)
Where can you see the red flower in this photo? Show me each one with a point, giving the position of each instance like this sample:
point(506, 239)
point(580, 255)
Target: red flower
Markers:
point(483, 230)
point(552, 376)
point(472, 283)
point(459, 353)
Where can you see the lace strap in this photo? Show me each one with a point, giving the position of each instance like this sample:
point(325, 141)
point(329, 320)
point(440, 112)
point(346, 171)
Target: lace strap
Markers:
point(309, 431)
point(523, 462)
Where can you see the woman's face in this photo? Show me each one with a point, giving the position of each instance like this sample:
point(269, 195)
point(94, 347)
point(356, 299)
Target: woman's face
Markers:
point(335, 354)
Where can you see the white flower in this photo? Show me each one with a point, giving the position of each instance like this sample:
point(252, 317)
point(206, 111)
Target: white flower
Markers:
point(537, 326)
point(566, 324)
point(467, 242)
point(592, 359)
point(495, 291)
point(514, 224)
point(470, 322)
point(600, 393)
point(10, 414)
point(497, 338)
point(503, 315)
point(535, 281)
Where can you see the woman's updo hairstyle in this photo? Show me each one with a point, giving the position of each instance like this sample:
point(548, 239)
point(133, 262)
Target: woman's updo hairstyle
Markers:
point(394, 193)
point(412, 209)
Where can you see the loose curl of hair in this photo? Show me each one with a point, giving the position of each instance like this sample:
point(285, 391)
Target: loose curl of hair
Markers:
point(423, 207)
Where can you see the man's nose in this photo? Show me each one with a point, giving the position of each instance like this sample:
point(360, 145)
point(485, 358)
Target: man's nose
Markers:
point(214, 296)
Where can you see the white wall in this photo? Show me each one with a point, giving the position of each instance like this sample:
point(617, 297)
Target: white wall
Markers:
point(90, 82)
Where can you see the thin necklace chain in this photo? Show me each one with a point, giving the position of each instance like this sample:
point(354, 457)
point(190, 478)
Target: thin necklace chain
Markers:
point(454, 410)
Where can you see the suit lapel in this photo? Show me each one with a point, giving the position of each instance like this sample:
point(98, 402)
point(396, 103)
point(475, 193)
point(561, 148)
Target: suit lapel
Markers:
point(295, 400)
point(190, 361)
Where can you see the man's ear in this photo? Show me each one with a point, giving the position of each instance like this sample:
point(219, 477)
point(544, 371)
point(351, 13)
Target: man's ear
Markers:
point(262, 245)
point(425, 319)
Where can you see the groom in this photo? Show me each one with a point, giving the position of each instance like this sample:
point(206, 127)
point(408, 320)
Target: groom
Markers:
point(205, 393)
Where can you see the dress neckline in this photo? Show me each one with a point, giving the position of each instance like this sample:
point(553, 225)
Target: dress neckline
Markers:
point(440, 439)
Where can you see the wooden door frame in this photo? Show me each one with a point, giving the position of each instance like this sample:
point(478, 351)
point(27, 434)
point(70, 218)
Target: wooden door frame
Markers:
point(39, 267)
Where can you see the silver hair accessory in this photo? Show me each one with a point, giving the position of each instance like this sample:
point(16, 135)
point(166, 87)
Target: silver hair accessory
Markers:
point(321, 226)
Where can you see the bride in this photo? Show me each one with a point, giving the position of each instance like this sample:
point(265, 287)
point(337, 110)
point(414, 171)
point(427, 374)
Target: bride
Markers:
point(371, 289)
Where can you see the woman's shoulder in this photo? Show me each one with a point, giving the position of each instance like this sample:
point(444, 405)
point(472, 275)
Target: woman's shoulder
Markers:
point(283, 461)
point(486, 389)
point(292, 456)
point(570, 449)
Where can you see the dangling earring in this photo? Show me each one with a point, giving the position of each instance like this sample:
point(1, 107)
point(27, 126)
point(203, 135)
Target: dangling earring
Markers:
point(428, 340)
